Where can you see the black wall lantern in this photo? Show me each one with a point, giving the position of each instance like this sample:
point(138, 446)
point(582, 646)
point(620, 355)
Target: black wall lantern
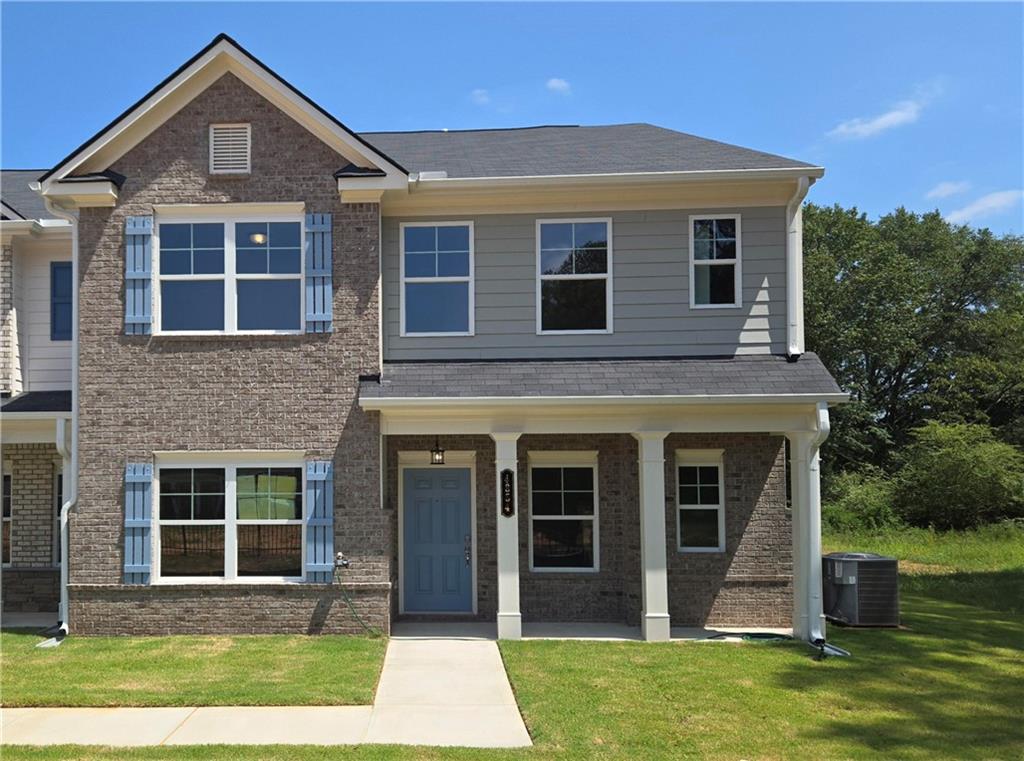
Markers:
point(437, 454)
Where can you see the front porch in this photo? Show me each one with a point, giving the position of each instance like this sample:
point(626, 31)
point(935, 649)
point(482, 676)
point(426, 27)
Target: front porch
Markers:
point(630, 539)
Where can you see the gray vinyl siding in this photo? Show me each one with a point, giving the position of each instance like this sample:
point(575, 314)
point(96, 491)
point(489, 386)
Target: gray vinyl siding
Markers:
point(651, 312)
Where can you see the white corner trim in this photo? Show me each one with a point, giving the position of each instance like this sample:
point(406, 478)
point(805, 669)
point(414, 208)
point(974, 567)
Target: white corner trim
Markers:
point(795, 268)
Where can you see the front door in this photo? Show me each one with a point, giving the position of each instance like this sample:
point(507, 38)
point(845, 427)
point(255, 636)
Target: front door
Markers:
point(437, 539)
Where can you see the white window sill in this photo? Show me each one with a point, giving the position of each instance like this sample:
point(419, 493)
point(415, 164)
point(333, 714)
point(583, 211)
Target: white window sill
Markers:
point(700, 550)
point(565, 570)
point(181, 581)
point(605, 332)
point(222, 334)
point(716, 306)
point(408, 334)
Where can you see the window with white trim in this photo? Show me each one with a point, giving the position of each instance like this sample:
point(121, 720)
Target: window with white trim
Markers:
point(231, 522)
point(8, 514)
point(563, 511)
point(700, 500)
point(230, 276)
point(574, 285)
point(715, 255)
point(230, 148)
point(436, 265)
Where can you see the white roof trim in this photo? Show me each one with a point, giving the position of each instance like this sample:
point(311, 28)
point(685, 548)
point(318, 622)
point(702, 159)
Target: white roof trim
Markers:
point(379, 403)
point(222, 57)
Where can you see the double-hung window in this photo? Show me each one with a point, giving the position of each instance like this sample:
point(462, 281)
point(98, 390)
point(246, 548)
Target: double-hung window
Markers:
point(715, 273)
point(437, 279)
point(230, 276)
point(574, 283)
point(8, 505)
point(60, 301)
point(230, 522)
point(700, 500)
point(563, 511)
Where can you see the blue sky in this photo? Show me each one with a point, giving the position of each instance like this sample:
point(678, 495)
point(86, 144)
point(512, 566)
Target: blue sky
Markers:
point(914, 104)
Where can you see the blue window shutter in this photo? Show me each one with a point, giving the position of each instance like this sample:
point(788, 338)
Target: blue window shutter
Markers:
point(138, 276)
point(60, 301)
point(319, 521)
point(319, 294)
point(138, 501)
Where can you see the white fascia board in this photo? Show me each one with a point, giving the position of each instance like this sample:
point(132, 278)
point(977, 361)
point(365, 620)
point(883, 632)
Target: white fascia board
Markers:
point(33, 228)
point(635, 178)
point(491, 402)
point(225, 57)
point(80, 194)
point(391, 182)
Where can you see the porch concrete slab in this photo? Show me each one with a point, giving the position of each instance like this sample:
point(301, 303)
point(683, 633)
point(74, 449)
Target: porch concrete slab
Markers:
point(444, 630)
point(277, 725)
point(581, 631)
point(28, 620)
point(91, 726)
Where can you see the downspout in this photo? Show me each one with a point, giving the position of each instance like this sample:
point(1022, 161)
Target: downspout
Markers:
point(795, 270)
point(70, 474)
point(815, 606)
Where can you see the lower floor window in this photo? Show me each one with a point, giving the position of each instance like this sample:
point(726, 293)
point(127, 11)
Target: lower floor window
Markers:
point(563, 511)
point(700, 500)
point(230, 522)
point(7, 515)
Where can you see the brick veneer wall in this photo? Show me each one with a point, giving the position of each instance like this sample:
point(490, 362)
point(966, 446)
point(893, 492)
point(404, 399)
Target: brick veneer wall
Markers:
point(142, 394)
point(750, 584)
point(31, 582)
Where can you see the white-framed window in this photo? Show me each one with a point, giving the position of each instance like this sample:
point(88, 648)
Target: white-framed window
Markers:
point(219, 519)
point(715, 261)
point(574, 276)
point(563, 511)
point(700, 500)
point(230, 148)
point(436, 273)
point(8, 513)
point(229, 275)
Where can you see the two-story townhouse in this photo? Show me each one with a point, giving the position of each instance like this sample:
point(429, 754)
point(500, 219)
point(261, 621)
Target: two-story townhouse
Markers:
point(517, 376)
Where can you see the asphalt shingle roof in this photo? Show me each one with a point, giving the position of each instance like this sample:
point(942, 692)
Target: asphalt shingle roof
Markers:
point(735, 376)
point(567, 150)
point(39, 401)
point(15, 192)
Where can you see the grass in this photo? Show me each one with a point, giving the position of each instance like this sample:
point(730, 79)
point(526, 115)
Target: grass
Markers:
point(949, 685)
point(174, 671)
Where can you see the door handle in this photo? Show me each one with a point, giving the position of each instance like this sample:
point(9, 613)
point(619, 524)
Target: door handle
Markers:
point(469, 549)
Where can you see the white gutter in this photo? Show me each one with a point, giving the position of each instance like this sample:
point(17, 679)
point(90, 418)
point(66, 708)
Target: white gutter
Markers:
point(816, 622)
point(795, 269)
point(70, 466)
point(378, 403)
point(420, 182)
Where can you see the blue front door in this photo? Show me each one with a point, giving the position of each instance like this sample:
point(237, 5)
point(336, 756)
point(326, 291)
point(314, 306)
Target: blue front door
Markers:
point(437, 541)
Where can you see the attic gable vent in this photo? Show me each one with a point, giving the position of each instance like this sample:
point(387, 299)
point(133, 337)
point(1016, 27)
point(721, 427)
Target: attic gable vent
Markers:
point(230, 148)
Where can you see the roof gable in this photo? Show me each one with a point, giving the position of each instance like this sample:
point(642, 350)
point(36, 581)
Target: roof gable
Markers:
point(222, 55)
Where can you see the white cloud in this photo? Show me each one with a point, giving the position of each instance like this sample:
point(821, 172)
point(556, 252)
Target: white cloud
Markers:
point(480, 96)
point(559, 86)
point(905, 112)
point(993, 203)
point(947, 189)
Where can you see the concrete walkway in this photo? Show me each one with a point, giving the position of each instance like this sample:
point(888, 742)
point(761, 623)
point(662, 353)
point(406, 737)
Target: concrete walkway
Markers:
point(434, 691)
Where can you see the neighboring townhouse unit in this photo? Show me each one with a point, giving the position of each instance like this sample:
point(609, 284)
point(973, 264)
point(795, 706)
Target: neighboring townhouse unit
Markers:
point(518, 375)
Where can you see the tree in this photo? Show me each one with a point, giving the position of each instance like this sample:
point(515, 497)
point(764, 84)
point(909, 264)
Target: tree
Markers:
point(920, 320)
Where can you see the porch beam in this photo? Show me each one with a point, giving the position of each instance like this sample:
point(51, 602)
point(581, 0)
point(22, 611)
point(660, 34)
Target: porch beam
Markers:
point(655, 624)
point(510, 622)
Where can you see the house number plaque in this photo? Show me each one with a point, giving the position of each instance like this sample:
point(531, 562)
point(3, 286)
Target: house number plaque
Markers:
point(508, 493)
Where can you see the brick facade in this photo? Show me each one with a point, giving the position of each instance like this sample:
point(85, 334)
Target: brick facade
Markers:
point(143, 394)
point(750, 584)
point(30, 583)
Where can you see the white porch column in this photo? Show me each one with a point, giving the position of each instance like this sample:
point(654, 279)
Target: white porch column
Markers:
point(510, 624)
point(808, 607)
point(655, 619)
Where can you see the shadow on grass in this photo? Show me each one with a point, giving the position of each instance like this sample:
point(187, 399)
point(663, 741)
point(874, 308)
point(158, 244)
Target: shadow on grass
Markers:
point(950, 684)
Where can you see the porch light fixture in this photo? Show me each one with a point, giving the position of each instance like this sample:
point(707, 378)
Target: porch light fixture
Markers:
point(437, 454)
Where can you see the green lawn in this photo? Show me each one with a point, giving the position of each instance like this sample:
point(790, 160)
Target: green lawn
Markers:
point(949, 685)
point(170, 671)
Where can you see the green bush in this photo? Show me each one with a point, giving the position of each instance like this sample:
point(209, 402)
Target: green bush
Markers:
point(959, 476)
point(859, 501)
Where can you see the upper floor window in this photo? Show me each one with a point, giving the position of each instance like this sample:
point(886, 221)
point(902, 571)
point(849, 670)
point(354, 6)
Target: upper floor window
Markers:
point(715, 262)
point(437, 279)
point(60, 301)
point(230, 148)
point(239, 276)
point(574, 264)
